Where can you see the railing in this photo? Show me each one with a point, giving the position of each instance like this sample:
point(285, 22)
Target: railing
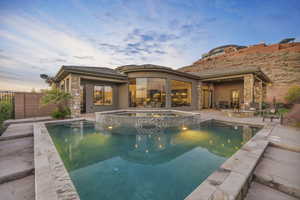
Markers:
point(7, 107)
point(7, 96)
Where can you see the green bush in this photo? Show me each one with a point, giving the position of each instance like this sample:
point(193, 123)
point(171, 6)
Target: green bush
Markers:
point(293, 94)
point(265, 105)
point(59, 98)
point(61, 114)
point(6, 111)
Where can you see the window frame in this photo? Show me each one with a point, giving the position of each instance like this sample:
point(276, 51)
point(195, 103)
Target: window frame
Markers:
point(103, 95)
point(191, 93)
point(150, 77)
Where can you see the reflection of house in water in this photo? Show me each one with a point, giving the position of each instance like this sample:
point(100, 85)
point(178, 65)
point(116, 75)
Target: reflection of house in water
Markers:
point(81, 145)
point(247, 133)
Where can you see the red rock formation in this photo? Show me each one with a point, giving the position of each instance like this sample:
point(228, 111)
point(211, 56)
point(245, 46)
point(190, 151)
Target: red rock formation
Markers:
point(280, 62)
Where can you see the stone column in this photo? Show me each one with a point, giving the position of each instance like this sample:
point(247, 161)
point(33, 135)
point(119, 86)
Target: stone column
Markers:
point(199, 91)
point(248, 90)
point(261, 94)
point(168, 93)
point(74, 103)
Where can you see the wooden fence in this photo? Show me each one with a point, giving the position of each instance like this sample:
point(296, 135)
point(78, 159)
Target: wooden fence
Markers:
point(28, 104)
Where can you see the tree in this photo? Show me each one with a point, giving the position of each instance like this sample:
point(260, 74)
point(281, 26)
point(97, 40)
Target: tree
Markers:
point(59, 98)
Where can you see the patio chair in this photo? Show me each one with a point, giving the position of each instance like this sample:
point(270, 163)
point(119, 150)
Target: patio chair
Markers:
point(271, 113)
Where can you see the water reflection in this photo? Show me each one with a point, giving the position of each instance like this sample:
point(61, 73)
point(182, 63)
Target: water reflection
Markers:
point(80, 144)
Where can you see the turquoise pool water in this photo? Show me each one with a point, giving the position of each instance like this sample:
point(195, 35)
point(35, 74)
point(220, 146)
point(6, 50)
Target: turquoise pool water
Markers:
point(167, 165)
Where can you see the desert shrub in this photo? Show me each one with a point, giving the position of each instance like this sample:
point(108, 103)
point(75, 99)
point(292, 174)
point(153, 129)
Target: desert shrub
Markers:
point(293, 94)
point(283, 111)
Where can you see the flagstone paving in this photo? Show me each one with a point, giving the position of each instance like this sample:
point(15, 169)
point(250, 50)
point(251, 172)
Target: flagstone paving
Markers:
point(17, 163)
point(20, 189)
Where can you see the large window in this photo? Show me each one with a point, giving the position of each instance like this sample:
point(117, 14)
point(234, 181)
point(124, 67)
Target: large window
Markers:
point(147, 92)
point(102, 95)
point(181, 93)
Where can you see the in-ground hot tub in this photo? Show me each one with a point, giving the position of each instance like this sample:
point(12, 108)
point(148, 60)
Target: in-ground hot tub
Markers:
point(145, 122)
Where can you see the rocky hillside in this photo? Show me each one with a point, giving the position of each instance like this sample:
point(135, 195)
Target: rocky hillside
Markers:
point(281, 63)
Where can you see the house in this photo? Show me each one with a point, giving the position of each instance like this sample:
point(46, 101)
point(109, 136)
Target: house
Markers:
point(151, 86)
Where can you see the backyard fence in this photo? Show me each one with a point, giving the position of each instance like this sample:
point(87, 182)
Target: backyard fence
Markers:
point(7, 96)
point(28, 104)
point(24, 105)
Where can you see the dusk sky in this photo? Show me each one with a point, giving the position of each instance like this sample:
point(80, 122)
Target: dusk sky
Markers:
point(40, 36)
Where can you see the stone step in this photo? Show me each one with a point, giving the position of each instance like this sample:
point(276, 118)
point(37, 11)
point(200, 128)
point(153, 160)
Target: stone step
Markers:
point(286, 138)
point(21, 189)
point(15, 131)
point(258, 191)
point(16, 158)
point(279, 169)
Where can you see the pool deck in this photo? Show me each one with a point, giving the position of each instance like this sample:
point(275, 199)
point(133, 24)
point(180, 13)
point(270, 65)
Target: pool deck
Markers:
point(275, 175)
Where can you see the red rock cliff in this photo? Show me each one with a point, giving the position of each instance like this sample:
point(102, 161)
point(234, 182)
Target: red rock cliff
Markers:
point(280, 62)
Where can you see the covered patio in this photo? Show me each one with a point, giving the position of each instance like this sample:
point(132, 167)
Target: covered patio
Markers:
point(235, 88)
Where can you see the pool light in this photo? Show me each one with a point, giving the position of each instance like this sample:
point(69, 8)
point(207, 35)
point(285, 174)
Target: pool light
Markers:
point(110, 127)
point(184, 128)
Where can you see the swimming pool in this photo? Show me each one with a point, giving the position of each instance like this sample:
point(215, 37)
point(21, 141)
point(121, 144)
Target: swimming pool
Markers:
point(169, 164)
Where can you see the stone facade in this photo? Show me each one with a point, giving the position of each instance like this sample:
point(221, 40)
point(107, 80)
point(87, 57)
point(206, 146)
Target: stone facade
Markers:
point(74, 103)
point(199, 91)
point(280, 62)
point(248, 89)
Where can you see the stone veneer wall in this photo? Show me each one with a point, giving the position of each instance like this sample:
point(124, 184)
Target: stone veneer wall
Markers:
point(280, 62)
point(199, 91)
point(74, 103)
point(248, 89)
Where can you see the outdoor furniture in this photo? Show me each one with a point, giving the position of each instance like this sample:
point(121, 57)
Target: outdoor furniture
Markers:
point(254, 106)
point(271, 114)
point(223, 104)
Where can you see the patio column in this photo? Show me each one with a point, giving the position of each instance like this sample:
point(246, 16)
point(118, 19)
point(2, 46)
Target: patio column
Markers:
point(260, 94)
point(199, 91)
point(74, 103)
point(168, 93)
point(248, 90)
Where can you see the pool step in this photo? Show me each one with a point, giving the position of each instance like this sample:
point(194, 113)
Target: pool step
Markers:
point(279, 169)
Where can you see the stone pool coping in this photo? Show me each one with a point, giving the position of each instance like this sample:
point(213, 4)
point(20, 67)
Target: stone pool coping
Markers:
point(230, 181)
point(52, 181)
point(233, 178)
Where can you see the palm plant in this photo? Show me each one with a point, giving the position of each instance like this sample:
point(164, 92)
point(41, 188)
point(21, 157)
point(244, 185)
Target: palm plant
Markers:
point(59, 98)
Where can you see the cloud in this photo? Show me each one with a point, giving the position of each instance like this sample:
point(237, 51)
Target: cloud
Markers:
point(84, 57)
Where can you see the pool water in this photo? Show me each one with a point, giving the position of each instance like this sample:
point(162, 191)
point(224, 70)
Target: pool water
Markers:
point(167, 165)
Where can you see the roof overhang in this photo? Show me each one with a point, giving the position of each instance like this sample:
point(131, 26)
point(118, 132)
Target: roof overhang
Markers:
point(62, 73)
point(233, 73)
point(155, 68)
